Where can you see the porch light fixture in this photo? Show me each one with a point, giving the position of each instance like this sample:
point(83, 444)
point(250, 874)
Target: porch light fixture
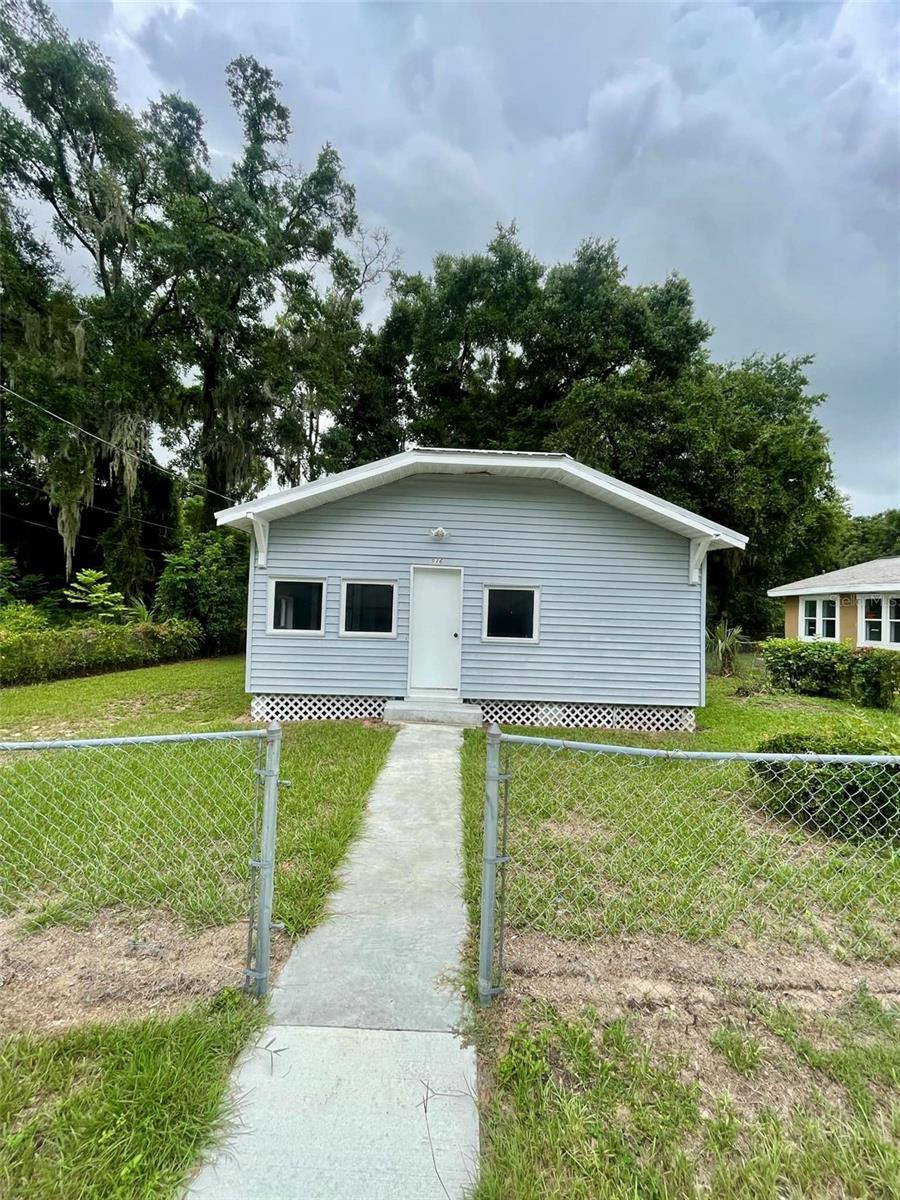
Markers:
point(438, 534)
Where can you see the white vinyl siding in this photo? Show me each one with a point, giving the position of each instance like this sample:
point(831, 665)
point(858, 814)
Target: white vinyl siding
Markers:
point(619, 622)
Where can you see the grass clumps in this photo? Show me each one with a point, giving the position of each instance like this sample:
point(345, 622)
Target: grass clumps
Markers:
point(858, 1048)
point(741, 1050)
point(117, 1111)
point(584, 1108)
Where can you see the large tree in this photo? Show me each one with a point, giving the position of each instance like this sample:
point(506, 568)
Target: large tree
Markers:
point(322, 362)
point(188, 269)
point(497, 340)
point(737, 442)
point(466, 326)
point(68, 145)
point(875, 536)
point(229, 250)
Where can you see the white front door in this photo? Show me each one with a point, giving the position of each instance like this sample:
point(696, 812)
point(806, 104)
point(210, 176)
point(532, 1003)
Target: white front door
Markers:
point(434, 631)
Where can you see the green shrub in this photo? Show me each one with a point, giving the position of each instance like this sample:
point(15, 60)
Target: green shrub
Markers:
point(839, 799)
point(206, 581)
point(876, 677)
point(17, 616)
point(35, 656)
point(833, 669)
point(815, 668)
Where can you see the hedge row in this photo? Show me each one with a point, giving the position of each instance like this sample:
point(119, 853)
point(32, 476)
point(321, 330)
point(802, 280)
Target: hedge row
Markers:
point(834, 669)
point(40, 655)
point(850, 800)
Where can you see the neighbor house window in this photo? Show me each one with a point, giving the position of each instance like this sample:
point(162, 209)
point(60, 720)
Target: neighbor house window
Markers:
point(297, 605)
point(880, 621)
point(818, 618)
point(369, 608)
point(511, 614)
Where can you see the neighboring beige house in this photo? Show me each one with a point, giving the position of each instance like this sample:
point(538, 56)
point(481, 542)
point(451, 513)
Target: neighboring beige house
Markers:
point(860, 605)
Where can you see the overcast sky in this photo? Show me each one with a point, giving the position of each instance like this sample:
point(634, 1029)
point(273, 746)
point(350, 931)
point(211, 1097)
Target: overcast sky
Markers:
point(753, 147)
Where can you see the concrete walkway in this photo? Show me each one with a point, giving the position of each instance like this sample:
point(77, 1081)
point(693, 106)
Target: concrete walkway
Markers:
point(360, 1090)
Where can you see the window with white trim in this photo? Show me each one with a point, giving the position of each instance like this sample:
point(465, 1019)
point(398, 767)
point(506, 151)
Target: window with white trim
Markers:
point(297, 605)
point(879, 620)
point(368, 608)
point(819, 618)
point(510, 614)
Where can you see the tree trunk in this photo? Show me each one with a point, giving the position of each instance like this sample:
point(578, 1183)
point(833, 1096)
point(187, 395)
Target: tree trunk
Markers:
point(212, 455)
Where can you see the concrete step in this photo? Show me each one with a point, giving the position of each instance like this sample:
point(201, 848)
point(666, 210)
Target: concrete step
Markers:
point(433, 712)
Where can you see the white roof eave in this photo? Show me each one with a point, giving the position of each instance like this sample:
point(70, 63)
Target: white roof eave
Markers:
point(848, 589)
point(557, 467)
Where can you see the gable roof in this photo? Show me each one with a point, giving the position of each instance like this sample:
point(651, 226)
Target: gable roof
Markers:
point(881, 574)
point(560, 468)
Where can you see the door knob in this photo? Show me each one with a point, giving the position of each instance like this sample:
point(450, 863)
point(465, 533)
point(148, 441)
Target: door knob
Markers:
point(456, 635)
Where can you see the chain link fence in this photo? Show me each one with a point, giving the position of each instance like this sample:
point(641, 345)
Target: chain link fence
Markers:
point(132, 868)
point(631, 876)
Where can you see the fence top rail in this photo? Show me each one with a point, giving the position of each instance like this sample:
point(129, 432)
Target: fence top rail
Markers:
point(521, 739)
point(230, 735)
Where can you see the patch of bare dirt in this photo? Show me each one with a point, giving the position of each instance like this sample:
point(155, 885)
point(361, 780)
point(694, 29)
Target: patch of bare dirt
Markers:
point(574, 827)
point(675, 994)
point(118, 967)
point(100, 721)
point(135, 706)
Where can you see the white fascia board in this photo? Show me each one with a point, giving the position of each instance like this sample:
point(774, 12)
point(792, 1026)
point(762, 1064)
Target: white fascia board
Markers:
point(558, 467)
point(641, 503)
point(848, 589)
point(320, 491)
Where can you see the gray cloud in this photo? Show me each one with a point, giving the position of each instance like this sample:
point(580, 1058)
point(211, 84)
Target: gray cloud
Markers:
point(751, 146)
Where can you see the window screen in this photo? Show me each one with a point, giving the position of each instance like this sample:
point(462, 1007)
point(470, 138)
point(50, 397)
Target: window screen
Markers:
point(894, 610)
point(369, 608)
point(872, 612)
point(809, 618)
point(829, 618)
point(510, 613)
point(298, 604)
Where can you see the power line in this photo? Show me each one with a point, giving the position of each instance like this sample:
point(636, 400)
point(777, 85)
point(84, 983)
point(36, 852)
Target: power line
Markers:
point(86, 537)
point(97, 507)
point(118, 449)
point(40, 525)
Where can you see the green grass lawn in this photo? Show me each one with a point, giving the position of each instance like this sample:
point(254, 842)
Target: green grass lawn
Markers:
point(581, 1109)
point(124, 1110)
point(330, 767)
point(674, 854)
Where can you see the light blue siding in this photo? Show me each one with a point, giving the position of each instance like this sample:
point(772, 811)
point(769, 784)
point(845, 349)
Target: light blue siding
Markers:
point(619, 621)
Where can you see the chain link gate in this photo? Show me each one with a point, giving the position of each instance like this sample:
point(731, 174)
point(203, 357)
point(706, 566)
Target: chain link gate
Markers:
point(177, 823)
point(773, 868)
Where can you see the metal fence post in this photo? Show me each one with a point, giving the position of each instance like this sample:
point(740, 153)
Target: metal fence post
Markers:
point(267, 857)
point(489, 866)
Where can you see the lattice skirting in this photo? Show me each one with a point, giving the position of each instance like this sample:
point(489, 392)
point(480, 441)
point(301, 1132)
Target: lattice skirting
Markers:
point(546, 714)
point(642, 718)
point(282, 707)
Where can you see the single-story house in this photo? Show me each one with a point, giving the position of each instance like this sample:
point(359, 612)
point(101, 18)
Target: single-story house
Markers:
point(860, 605)
point(470, 585)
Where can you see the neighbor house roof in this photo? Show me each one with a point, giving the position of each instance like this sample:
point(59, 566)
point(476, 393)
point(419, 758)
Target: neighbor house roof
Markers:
point(560, 468)
point(881, 574)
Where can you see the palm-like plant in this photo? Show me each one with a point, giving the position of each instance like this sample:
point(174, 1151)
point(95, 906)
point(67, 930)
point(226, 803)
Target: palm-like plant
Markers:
point(723, 642)
point(139, 611)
